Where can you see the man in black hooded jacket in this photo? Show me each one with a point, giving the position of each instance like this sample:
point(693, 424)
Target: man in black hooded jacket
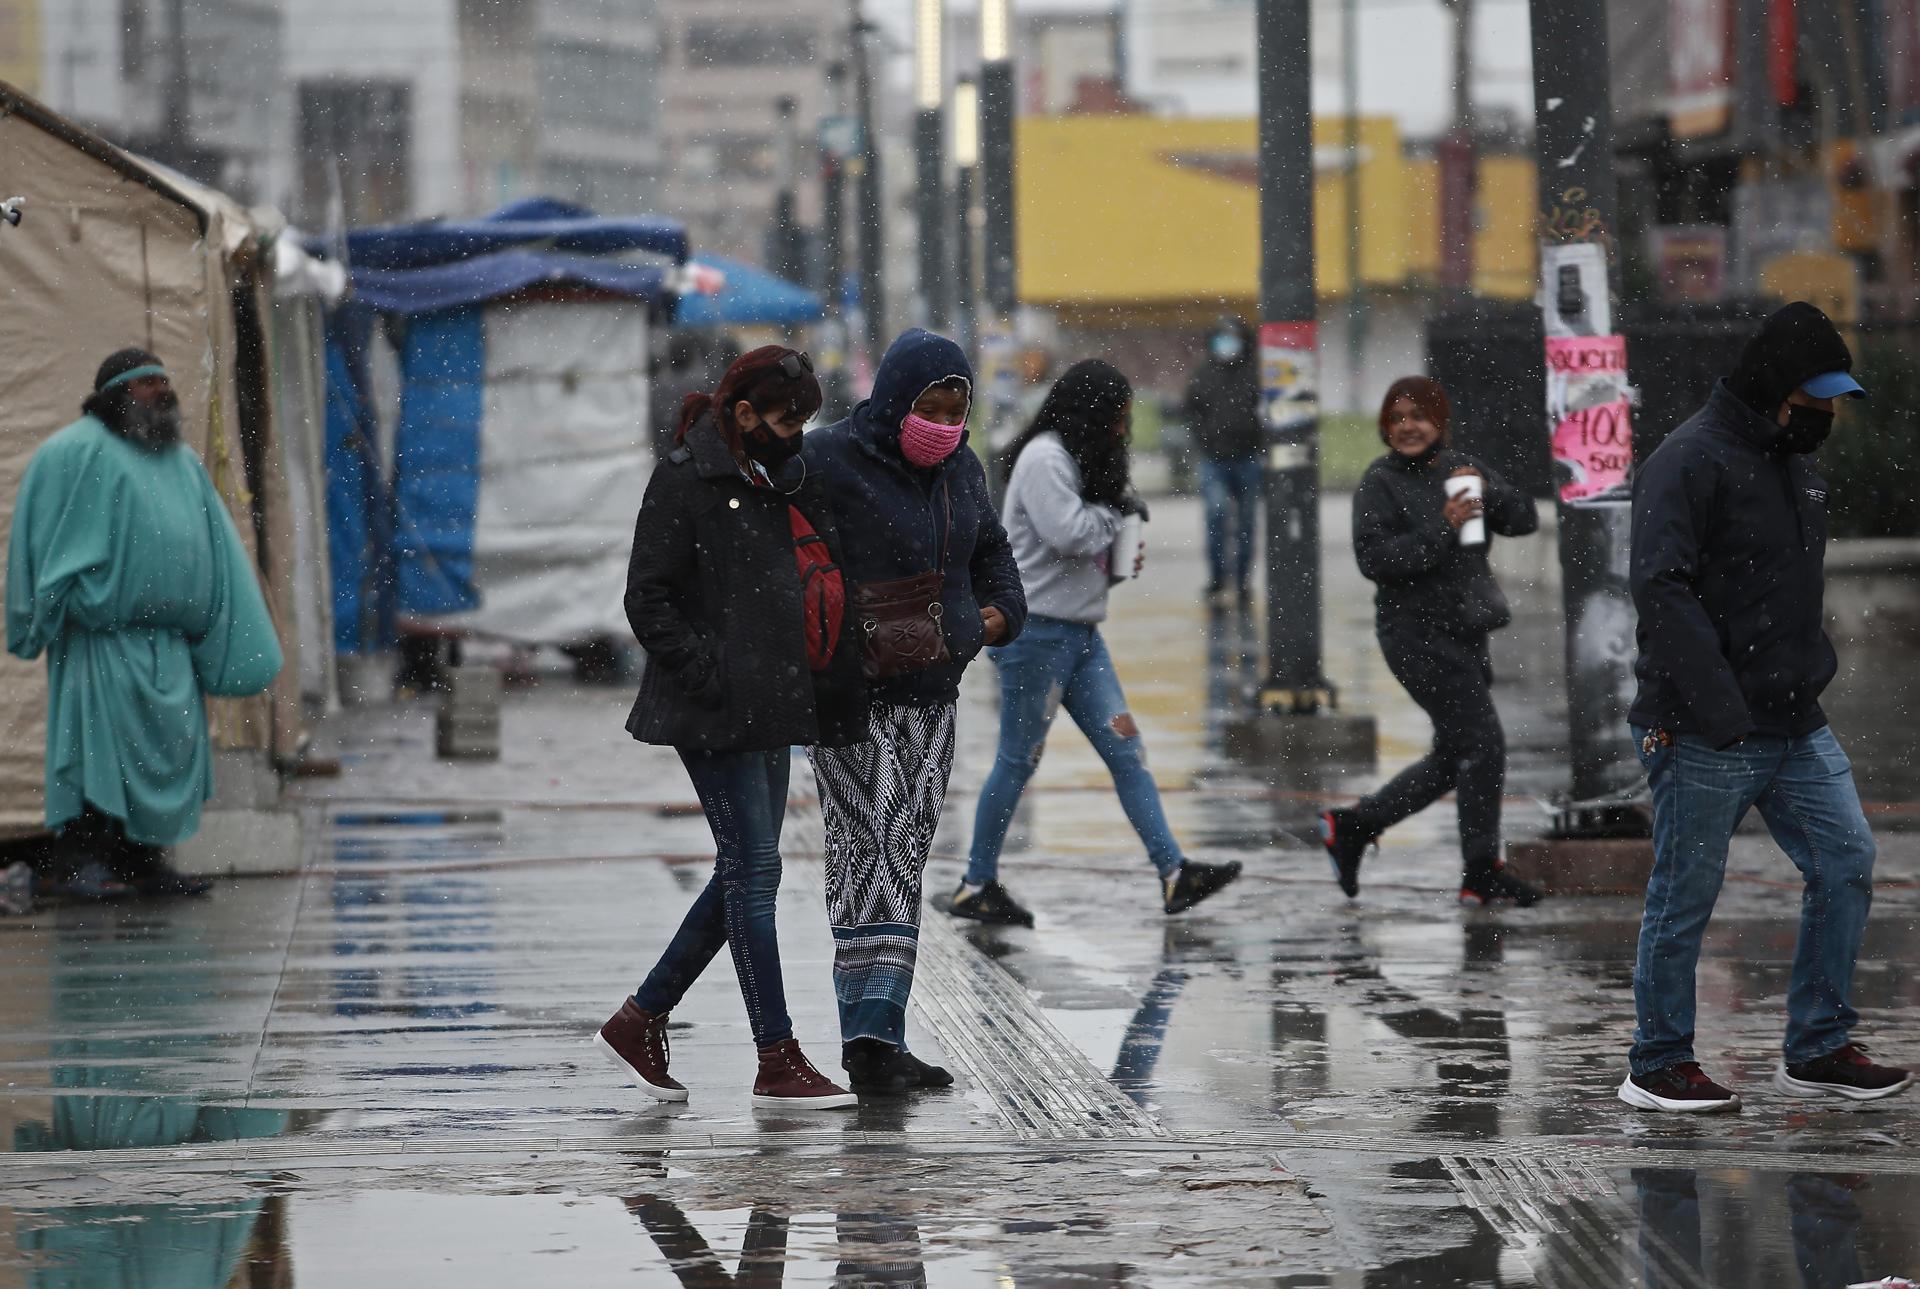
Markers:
point(1729, 538)
point(1223, 412)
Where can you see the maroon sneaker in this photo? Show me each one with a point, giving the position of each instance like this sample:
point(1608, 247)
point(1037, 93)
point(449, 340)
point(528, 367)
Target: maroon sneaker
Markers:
point(636, 1041)
point(1678, 1089)
point(1848, 1073)
point(788, 1081)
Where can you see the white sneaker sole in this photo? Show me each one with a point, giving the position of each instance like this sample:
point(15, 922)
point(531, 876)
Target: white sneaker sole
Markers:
point(658, 1094)
point(840, 1102)
point(1641, 1099)
point(1787, 1085)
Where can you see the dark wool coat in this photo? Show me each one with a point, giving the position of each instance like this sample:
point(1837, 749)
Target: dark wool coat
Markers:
point(1729, 548)
point(713, 595)
point(1405, 545)
point(896, 518)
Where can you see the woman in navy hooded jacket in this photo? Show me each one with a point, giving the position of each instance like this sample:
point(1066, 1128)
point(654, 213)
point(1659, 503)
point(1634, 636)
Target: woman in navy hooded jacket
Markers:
point(911, 497)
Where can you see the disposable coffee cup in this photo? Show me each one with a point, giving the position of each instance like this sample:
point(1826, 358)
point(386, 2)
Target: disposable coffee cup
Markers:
point(1474, 531)
point(1123, 558)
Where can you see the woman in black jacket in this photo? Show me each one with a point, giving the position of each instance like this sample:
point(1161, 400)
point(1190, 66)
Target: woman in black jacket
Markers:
point(733, 593)
point(1436, 604)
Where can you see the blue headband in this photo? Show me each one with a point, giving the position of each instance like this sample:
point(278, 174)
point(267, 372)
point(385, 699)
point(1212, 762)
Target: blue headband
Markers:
point(151, 369)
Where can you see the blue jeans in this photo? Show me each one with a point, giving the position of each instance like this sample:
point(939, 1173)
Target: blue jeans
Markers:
point(1804, 790)
point(745, 797)
point(1236, 487)
point(1056, 664)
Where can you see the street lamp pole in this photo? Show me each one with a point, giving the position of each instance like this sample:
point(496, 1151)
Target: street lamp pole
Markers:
point(929, 142)
point(1294, 721)
point(873, 289)
point(966, 161)
point(996, 155)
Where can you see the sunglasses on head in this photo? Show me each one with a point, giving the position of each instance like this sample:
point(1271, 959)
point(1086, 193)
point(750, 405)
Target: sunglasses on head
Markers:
point(796, 364)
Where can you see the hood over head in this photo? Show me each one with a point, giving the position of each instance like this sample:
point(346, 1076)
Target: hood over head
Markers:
point(915, 360)
point(1792, 347)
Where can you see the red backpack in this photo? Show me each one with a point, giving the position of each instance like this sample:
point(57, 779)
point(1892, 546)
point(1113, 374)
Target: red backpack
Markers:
point(823, 591)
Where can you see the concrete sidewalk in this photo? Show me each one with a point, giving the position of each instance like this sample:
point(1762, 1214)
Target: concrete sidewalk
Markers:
point(376, 1072)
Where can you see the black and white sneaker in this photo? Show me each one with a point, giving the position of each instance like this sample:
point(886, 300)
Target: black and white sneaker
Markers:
point(1848, 1073)
point(1486, 887)
point(1678, 1089)
point(1346, 842)
point(1195, 882)
point(992, 904)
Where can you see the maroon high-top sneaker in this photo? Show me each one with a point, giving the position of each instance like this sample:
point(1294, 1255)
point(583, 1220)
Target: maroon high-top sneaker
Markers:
point(788, 1081)
point(636, 1041)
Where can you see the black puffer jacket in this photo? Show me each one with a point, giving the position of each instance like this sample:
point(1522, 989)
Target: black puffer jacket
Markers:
point(713, 595)
point(1405, 545)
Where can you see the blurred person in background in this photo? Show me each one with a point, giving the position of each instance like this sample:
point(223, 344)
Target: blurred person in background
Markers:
point(1223, 420)
point(1436, 603)
point(1068, 491)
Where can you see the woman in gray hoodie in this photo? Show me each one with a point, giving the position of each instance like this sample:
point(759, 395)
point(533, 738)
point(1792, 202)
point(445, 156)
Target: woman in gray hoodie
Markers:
point(1067, 493)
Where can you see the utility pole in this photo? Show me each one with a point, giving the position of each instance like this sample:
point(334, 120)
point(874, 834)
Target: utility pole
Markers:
point(833, 185)
point(873, 298)
point(1356, 272)
point(1294, 719)
point(1459, 179)
point(966, 161)
point(996, 155)
point(786, 250)
point(177, 97)
point(930, 148)
point(1593, 442)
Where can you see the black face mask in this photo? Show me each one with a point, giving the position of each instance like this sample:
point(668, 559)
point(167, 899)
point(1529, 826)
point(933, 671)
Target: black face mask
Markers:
point(1806, 429)
point(768, 448)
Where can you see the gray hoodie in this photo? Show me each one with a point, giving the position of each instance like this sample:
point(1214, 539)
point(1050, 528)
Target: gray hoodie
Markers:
point(1061, 542)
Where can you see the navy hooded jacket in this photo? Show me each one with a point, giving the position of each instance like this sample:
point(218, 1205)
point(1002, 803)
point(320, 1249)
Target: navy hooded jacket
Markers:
point(1729, 540)
point(894, 516)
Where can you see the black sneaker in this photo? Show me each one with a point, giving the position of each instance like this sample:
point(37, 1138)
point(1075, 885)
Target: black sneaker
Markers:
point(1848, 1073)
point(928, 1076)
point(875, 1068)
point(992, 904)
point(1346, 842)
point(1485, 887)
point(1678, 1089)
point(1195, 882)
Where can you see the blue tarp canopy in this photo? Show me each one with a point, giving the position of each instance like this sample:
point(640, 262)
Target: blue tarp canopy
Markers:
point(488, 277)
point(537, 221)
point(752, 297)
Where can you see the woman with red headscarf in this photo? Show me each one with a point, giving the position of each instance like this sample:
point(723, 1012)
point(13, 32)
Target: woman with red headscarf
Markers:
point(735, 593)
point(1420, 522)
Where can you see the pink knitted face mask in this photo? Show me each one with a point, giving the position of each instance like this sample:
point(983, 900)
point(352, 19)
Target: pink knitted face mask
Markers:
point(927, 443)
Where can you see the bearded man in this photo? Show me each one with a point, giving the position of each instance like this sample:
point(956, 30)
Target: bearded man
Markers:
point(125, 569)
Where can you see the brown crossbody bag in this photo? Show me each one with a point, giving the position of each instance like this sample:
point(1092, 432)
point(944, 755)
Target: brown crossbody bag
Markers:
point(900, 617)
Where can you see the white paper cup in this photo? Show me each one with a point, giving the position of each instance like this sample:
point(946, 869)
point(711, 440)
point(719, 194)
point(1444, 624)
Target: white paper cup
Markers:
point(1474, 531)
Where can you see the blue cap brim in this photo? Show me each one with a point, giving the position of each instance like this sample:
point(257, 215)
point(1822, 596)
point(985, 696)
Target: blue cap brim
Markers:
point(1833, 384)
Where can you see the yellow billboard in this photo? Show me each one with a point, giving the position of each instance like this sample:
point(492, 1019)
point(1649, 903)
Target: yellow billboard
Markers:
point(20, 44)
point(1137, 217)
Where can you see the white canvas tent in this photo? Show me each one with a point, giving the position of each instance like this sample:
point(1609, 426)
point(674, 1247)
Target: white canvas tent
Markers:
point(111, 252)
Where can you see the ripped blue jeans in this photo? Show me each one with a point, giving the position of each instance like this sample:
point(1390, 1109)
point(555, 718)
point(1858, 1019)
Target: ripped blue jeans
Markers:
point(1055, 664)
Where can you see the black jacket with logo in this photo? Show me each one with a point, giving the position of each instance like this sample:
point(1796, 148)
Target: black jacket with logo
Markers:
point(1729, 543)
point(713, 596)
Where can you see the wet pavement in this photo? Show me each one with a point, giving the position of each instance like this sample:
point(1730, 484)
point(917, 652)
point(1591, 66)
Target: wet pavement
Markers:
point(377, 1071)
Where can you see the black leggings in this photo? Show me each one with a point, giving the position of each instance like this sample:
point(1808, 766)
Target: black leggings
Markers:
point(1452, 680)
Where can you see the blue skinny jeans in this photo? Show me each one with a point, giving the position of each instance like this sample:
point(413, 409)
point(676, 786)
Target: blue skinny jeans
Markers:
point(745, 797)
point(1804, 790)
point(1234, 492)
point(1055, 664)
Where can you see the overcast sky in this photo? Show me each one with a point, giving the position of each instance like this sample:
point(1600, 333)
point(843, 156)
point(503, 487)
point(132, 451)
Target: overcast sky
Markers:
point(1406, 57)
